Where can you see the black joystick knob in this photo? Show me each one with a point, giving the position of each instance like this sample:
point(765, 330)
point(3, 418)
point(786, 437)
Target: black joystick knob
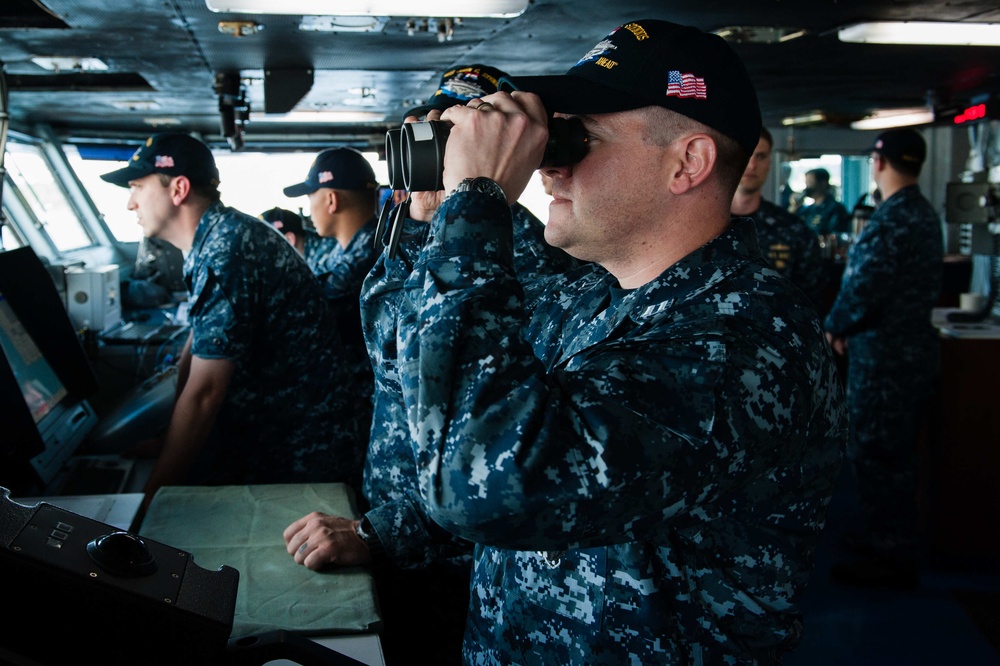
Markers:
point(122, 554)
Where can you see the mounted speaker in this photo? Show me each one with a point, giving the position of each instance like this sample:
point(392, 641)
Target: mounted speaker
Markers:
point(284, 88)
point(76, 590)
point(967, 203)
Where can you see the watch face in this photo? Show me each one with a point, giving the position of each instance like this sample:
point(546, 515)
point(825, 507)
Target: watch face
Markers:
point(365, 529)
point(486, 186)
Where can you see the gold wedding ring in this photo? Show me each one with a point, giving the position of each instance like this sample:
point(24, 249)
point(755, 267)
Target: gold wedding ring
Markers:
point(485, 106)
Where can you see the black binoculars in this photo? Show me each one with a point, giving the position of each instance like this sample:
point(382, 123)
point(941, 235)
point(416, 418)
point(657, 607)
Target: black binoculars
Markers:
point(415, 153)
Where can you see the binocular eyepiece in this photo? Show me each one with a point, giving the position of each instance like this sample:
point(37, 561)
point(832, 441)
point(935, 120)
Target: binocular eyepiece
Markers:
point(415, 152)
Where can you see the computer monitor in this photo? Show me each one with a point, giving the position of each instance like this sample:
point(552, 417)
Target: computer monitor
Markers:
point(40, 386)
point(29, 288)
point(45, 376)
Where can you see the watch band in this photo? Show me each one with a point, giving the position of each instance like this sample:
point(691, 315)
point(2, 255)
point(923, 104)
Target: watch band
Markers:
point(367, 533)
point(484, 185)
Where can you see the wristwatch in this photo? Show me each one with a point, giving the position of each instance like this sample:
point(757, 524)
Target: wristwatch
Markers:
point(367, 533)
point(484, 185)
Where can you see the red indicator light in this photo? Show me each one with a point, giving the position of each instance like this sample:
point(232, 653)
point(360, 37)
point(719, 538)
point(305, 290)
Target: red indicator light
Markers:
point(972, 113)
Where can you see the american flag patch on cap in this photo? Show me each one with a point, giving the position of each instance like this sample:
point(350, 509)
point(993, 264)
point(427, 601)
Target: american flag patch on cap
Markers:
point(685, 85)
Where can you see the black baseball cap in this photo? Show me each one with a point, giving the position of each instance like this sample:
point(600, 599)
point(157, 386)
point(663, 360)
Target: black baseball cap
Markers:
point(650, 62)
point(283, 220)
point(901, 145)
point(170, 153)
point(458, 86)
point(338, 169)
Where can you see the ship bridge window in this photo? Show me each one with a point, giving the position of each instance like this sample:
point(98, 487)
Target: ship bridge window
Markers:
point(850, 178)
point(111, 201)
point(38, 185)
point(10, 238)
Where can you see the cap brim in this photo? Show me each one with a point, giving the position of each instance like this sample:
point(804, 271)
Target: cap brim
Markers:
point(122, 177)
point(567, 93)
point(297, 190)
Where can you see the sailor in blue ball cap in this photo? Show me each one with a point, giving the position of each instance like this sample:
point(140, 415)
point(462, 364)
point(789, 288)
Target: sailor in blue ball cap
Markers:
point(273, 413)
point(342, 191)
point(341, 187)
point(642, 448)
point(881, 321)
point(315, 249)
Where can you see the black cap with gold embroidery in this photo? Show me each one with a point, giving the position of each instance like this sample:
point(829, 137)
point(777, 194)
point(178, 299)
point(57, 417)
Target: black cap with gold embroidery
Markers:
point(170, 153)
point(657, 63)
point(458, 86)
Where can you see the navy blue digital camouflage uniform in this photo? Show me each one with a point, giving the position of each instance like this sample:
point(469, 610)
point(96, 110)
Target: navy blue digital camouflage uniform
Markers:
point(255, 302)
point(342, 277)
point(645, 472)
point(827, 217)
point(891, 283)
point(428, 578)
point(792, 249)
point(316, 250)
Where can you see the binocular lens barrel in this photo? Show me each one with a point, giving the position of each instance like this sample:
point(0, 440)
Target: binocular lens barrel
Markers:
point(394, 158)
point(423, 155)
point(567, 142)
point(415, 153)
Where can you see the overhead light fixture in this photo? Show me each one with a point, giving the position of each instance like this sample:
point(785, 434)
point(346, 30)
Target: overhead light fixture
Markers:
point(328, 117)
point(162, 122)
point(438, 8)
point(923, 32)
point(805, 119)
point(67, 64)
point(889, 118)
point(755, 34)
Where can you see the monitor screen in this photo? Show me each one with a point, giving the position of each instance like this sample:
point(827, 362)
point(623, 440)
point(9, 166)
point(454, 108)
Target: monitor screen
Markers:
point(39, 384)
point(45, 376)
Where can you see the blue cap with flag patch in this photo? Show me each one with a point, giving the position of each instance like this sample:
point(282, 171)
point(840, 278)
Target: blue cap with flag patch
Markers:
point(903, 144)
point(170, 153)
point(337, 169)
point(650, 62)
point(283, 220)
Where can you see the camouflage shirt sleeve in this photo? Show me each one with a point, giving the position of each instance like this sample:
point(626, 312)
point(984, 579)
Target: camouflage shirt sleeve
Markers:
point(221, 300)
point(410, 538)
point(398, 515)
